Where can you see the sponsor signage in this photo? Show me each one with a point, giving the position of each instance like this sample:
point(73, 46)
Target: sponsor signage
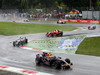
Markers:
point(70, 43)
point(84, 21)
point(73, 20)
point(80, 21)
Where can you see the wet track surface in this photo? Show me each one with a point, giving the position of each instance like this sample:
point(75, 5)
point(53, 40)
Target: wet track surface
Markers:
point(21, 58)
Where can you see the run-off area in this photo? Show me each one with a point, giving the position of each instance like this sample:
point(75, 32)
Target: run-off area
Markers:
point(60, 44)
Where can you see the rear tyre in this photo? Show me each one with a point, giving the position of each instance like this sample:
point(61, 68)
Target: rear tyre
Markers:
point(57, 22)
point(47, 35)
point(62, 23)
point(56, 65)
point(38, 61)
point(14, 44)
point(66, 67)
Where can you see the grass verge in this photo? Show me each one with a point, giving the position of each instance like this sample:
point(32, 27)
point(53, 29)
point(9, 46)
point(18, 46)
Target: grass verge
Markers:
point(90, 46)
point(8, 28)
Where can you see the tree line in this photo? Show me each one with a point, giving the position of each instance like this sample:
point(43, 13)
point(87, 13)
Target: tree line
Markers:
point(30, 4)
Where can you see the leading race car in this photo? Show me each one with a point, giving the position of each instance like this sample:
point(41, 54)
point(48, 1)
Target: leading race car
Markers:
point(56, 33)
point(52, 61)
point(61, 21)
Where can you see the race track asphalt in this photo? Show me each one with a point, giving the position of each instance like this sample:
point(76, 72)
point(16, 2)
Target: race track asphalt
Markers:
point(22, 58)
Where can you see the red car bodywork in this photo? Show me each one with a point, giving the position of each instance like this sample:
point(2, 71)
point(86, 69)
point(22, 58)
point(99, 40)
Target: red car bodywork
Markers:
point(54, 34)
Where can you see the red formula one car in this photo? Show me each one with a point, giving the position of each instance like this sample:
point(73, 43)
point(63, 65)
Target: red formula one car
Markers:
point(55, 62)
point(56, 33)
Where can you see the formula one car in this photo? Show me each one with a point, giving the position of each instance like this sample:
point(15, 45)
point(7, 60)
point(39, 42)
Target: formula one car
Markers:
point(25, 20)
point(61, 22)
point(56, 33)
point(20, 42)
point(91, 27)
point(52, 61)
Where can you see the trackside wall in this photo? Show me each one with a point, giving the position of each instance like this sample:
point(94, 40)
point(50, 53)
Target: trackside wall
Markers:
point(80, 21)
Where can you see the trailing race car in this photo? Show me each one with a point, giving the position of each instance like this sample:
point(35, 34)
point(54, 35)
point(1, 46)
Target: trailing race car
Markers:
point(25, 20)
point(20, 42)
point(61, 21)
point(52, 61)
point(91, 27)
point(56, 33)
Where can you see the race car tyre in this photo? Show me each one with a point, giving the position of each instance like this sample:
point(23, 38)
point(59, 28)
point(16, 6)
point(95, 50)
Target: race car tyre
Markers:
point(55, 35)
point(19, 44)
point(91, 27)
point(52, 35)
point(26, 41)
point(61, 33)
point(57, 22)
point(62, 23)
point(56, 65)
point(14, 44)
point(38, 61)
point(67, 60)
point(94, 27)
point(66, 67)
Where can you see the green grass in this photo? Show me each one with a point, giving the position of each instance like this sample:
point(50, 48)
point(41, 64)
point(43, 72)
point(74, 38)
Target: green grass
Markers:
point(90, 46)
point(8, 28)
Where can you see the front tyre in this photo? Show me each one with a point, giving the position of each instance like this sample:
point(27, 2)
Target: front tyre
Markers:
point(57, 22)
point(68, 60)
